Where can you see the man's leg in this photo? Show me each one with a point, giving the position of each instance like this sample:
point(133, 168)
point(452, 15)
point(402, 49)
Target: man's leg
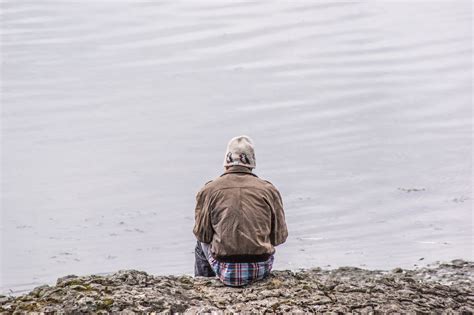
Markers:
point(201, 266)
point(205, 249)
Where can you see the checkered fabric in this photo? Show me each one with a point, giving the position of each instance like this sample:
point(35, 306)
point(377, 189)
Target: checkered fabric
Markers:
point(240, 274)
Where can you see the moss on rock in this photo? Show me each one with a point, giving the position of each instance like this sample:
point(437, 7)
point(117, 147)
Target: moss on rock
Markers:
point(444, 288)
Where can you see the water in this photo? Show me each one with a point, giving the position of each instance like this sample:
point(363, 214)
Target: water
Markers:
point(114, 113)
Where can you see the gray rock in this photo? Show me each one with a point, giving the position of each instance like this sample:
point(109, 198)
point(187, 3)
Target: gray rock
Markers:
point(65, 278)
point(458, 263)
point(445, 287)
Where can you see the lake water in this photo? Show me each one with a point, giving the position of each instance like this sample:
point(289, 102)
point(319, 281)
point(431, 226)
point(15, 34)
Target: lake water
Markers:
point(115, 113)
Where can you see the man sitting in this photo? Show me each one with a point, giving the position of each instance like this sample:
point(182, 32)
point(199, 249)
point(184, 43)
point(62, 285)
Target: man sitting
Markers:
point(239, 219)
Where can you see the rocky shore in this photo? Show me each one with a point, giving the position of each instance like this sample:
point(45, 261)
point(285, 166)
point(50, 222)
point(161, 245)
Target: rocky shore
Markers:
point(441, 288)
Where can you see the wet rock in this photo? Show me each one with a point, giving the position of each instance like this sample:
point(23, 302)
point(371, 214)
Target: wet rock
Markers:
point(69, 279)
point(39, 291)
point(397, 270)
point(446, 288)
point(4, 299)
point(459, 263)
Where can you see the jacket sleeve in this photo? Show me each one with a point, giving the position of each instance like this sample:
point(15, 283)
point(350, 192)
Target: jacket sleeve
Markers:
point(279, 231)
point(202, 226)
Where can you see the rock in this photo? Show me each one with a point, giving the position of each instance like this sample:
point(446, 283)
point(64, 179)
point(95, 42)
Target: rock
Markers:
point(78, 287)
point(346, 290)
point(4, 299)
point(274, 284)
point(39, 291)
point(397, 270)
point(458, 263)
point(66, 278)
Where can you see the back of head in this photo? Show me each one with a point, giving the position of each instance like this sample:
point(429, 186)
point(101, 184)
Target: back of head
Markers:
point(240, 151)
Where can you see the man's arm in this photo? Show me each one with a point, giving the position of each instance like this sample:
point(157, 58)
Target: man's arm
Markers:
point(279, 231)
point(202, 225)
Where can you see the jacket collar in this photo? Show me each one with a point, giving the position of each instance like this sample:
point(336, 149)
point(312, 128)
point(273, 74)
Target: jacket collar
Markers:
point(239, 169)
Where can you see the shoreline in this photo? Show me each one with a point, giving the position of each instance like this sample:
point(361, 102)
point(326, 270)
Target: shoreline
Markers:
point(444, 287)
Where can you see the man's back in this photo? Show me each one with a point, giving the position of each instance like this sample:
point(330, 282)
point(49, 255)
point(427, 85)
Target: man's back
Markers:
point(241, 216)
point(239, 220)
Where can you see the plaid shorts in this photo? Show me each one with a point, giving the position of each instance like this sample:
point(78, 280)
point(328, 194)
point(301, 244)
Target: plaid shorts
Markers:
point(240, 274)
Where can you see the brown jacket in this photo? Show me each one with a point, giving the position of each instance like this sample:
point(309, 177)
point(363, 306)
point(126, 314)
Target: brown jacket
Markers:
point(241, 216)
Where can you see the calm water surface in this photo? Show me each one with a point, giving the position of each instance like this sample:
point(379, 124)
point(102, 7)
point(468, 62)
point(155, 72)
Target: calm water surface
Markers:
point(114, 113)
